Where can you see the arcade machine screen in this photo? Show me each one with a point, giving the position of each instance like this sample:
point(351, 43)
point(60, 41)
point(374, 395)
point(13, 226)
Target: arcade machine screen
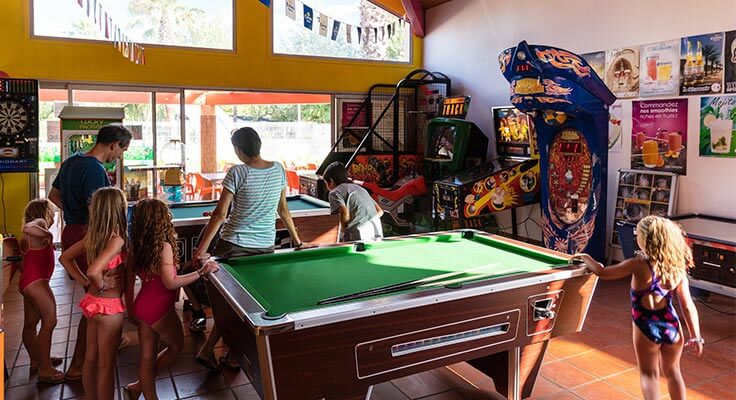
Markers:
point(441, 140)
point(513, 130)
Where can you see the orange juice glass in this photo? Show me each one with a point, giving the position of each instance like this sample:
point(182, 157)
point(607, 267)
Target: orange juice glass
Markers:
point(650, 153)
point(674, 141)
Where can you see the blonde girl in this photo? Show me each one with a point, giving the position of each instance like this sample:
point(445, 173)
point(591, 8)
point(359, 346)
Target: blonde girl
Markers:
point(656, 273)
point(102, 305)
point(37, 267)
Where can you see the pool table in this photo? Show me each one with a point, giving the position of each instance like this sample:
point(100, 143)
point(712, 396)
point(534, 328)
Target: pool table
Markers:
point(494, 302)
point(311, 217)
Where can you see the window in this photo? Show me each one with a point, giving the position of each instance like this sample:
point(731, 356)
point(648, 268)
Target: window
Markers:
point(188, 23)
point(383, 37)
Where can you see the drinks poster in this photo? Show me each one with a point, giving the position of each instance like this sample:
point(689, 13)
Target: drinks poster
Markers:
point(660, 72)
point(659, 135)
point(615, 128)
point(597, 61)
point(730, 62)
point(701, 64)
point(717, 120)
point(622, 72)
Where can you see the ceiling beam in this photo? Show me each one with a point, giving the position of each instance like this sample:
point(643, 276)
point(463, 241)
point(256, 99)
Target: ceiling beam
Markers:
point(415, 12)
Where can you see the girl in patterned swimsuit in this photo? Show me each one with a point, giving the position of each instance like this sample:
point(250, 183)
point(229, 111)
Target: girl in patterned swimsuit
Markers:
point(155, 258)
point(656, 273)
point(102, 305)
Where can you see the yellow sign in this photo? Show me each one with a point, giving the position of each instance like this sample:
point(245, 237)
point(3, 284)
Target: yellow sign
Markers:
point(528, 86)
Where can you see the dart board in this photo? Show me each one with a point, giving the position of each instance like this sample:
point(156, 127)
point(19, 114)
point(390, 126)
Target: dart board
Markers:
point(18, 125)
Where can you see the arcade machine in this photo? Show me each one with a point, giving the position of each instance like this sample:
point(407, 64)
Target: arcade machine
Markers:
point(511, 180)
point(569, 104)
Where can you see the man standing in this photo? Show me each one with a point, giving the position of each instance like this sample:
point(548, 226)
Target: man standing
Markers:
point(79, 176)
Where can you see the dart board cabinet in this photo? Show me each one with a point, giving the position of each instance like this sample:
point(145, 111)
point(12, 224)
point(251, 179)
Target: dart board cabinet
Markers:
point(18, 125)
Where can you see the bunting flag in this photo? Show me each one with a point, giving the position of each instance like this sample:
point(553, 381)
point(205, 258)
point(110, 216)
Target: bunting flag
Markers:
point(308, 17)
point(120, 42)
point(359, 32)
point(375, 34)
point(348, 29)
point(291, 9)
point(335, 29)
point(323, 24)
point(383, 33)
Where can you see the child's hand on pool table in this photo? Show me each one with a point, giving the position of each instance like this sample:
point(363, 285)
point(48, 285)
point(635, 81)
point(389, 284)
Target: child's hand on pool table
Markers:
point(209, 266)
point(305, 245)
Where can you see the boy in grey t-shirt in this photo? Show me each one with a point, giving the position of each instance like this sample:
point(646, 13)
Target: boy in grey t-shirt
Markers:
point(360, 216)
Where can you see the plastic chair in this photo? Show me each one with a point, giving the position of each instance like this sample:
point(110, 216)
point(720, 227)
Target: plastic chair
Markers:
point(292, 180)
point(203, 187)
point(189, 187)
point(312, 166)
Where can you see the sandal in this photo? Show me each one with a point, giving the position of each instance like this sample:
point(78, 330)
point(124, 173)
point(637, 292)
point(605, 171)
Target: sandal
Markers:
point(55, 362)
point(130, 394)
point(227, 360)
point(55, 379)
point(208, 361)
point(72, 378)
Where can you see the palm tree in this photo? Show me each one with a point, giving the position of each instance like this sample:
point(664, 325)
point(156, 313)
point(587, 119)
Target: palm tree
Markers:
point(164, 20)
point(711, 54)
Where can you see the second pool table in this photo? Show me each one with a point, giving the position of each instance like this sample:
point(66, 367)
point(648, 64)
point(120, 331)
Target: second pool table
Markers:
point(311, 217)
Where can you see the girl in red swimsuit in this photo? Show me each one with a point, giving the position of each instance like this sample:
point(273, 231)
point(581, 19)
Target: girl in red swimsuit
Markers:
point(102, 305)
point(658, 272)
point(37, 248)
point(155, 259)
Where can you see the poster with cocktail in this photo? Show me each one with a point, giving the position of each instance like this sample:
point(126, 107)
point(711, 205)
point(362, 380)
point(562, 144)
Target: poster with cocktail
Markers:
point(622, 72)
point(615, 128)
point(597, 60)
point(729, 67)
point(701, 64)
point(660, 75)
point(659, 135)
point(717, 126)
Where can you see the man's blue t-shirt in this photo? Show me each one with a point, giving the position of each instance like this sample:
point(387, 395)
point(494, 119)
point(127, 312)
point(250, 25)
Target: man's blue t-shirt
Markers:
point(79, 177)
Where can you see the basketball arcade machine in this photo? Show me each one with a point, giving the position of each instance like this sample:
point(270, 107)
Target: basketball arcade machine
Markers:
point(511, 180)
point(569, 104)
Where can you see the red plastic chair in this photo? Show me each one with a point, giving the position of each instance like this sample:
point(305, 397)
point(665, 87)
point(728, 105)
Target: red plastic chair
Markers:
point(292, 179)
point(189, 191)
point(203, 187)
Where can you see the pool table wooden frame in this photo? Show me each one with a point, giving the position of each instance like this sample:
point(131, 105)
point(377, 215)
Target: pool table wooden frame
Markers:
point(315, 226)
point(340, 351)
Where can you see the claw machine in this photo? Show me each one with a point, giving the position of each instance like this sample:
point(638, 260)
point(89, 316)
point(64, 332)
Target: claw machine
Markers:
point(79, 126)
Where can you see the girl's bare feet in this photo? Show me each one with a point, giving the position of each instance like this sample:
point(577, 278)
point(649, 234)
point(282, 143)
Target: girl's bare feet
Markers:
point(52, 376)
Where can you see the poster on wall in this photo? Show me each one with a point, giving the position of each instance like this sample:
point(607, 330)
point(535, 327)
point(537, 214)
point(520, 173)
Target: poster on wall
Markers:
point(354, 122)
point(622, 72)
point(701, 64)
point(729, 79)
point(717, 123)
point(597, 61)
point(615, 129)
point(660, 68)
point(659, 135)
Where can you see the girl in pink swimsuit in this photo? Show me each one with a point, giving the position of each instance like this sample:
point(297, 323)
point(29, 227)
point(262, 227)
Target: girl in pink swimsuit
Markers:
point(105, 244)
point(38, 300)
point(155, 259)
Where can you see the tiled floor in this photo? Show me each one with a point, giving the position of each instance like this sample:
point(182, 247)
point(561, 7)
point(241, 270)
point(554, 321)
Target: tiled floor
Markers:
point(596, 364)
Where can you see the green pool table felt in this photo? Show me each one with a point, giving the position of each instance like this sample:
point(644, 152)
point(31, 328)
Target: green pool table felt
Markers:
point(297, 280)
point(295, 204)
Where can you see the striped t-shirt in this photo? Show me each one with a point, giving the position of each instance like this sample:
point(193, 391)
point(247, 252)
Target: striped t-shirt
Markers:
point(257, 191)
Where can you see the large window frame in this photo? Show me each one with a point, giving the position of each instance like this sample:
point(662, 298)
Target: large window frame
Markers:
point(233, 48)
point(274, 54)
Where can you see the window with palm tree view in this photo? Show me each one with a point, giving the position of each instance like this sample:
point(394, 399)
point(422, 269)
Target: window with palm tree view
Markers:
point(357, 29)
point(187, 23)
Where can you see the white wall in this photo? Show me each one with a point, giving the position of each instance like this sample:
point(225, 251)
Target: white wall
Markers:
point(464, 38)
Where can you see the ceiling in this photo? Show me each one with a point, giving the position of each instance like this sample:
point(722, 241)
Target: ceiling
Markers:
point(432, 3)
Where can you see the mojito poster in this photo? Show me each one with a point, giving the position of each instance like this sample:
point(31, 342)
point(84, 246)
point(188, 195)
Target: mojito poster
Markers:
point(660, 68)
point(659, 135)
point(701, 64)
point(717, 120)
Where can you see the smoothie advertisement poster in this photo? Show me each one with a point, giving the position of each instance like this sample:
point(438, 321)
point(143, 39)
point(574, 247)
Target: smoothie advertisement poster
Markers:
point(622, 72)
point(730, 62)
point(597, 61)
point(660, 72)
point(701, 64)
point(717, 122)
point(659, 135)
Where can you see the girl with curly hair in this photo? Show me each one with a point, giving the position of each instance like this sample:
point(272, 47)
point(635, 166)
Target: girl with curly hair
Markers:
point(657, 272)
point(155, 259)
point(104, 243)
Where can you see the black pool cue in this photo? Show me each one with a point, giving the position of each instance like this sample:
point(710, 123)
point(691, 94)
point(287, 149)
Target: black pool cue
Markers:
point(399, 286)
point(467, 278)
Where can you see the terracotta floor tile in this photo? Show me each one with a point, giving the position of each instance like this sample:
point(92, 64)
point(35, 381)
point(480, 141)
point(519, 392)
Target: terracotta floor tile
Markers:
point(387, 391)
point(470, 375)
point(630, 383)
point(421, 384)
point(598, 363)
point(559, 396)
point(723, 388)
point(546, 388)
point(566, 375)
point(623, 352)
point(565, 347)
point(601, 391)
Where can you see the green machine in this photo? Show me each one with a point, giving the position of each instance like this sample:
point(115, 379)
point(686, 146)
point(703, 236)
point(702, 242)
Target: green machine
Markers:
point(453, 145)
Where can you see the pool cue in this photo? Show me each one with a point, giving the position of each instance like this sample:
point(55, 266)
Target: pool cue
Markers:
point(400, 286)
point(467, 278)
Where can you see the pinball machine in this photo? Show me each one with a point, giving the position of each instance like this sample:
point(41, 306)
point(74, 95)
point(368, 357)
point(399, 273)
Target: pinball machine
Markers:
point(569, 104)
point(508, 181)
point(18, 125)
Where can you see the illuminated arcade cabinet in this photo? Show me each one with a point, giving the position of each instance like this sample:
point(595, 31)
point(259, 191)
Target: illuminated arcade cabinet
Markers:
point(569, 103)
point(511, 180)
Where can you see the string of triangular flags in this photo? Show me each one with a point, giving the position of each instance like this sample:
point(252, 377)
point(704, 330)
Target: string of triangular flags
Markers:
point(352, 33)
point(134, 52)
